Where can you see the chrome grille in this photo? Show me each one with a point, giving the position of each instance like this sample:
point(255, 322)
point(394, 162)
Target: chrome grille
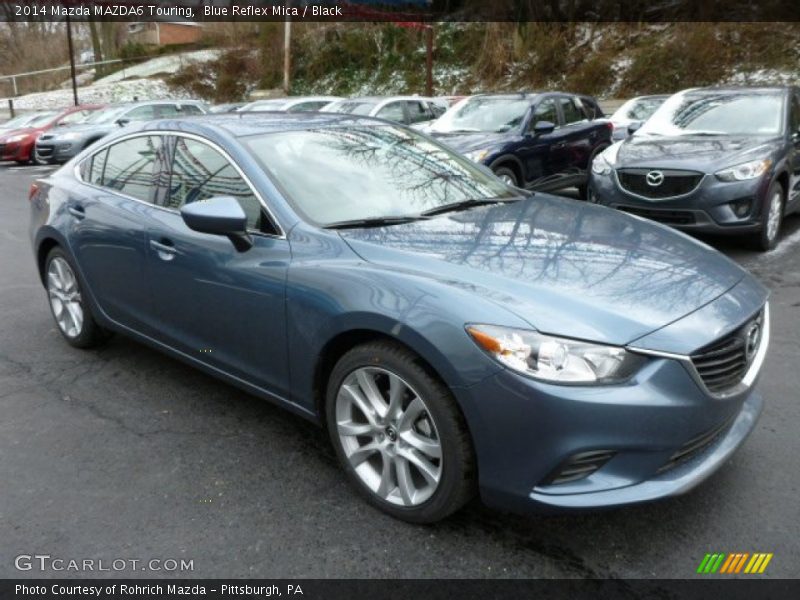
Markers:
point(723, 364)
point(673, 183)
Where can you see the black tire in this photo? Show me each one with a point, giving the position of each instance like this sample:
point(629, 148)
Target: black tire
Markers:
point(507, 174)
point(767, 237)
point(457, 484)
point(90, 333)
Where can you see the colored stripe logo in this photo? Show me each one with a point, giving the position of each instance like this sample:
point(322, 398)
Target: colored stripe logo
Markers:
point(737, 562)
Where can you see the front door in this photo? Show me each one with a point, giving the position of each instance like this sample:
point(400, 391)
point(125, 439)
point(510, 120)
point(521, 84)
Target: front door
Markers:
point(223, 307)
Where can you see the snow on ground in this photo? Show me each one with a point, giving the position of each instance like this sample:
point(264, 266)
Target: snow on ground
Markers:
point(99, 93)
point(122, 86)
point(764, 77)
point(163, 64)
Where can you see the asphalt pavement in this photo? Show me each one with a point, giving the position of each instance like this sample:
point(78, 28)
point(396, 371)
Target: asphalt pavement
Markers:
point(124, 453)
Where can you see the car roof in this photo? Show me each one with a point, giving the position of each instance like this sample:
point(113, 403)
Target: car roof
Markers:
point(242, 124)
point(738, 89)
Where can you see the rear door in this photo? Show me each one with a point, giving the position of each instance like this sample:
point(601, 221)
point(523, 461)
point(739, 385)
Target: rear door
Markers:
point(222, 307)
point(110, 214)
point(794, 153)
point(578, 136)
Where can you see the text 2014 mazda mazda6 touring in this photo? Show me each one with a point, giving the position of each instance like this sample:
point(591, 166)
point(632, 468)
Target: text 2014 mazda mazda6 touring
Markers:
point(453, 334)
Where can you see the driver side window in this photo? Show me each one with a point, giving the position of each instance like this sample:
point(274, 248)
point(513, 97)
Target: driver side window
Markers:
point(544, 111)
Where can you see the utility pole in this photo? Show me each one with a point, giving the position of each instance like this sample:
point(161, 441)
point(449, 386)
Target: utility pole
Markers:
point(72, 62)
point(287, 51)
point(429, 61)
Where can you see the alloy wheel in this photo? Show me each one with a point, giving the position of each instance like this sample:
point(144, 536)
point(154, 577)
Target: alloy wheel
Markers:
point(774, 215)
point(65, 297)
point(508, 179)
point(388, 436)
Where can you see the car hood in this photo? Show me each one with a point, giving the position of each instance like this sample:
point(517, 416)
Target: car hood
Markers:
point(85, 130)
point(566, 267)
point(703, 153)
point(466, 142)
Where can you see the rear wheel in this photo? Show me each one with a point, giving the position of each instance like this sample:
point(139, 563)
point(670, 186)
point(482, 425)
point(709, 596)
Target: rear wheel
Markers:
point(70, 310)
point(398, 433)
point(767, 237)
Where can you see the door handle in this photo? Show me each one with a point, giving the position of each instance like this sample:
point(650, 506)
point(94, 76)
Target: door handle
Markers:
point(164, 249)
point(77, 211)
point(559, 145)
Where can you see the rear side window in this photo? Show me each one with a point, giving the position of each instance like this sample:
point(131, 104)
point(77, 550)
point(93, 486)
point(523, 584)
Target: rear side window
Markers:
point(572, 112)
point(96, 165)
point(190, 109)
point(392, 112)
point(418, 112)
point(129, 167)
point(200, 172)
point(308, 106)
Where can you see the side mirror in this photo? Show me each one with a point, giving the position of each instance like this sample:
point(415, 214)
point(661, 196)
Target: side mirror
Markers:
point(123, 121)
point(221, 215)
point(633, 127)
point(543, 127)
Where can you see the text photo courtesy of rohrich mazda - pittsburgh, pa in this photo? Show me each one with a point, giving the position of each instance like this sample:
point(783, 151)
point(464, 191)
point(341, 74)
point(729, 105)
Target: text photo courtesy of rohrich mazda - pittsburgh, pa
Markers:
point(398, 300)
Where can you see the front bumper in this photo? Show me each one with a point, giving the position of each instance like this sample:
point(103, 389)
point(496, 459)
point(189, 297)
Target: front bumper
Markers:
point(709, 208)
point(55, 152)
point(19, 151)
point(659, 434)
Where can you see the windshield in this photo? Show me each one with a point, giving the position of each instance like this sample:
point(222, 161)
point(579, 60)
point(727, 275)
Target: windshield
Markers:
point(717, 113)
point(484, 113)
point(41, 119)
point(637, 109)
point(364, 172)
point(352, 107)
point(107, 116)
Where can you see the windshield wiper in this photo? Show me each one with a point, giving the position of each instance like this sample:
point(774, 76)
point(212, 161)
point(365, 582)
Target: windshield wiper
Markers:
point(466, 204)
point(373, 222)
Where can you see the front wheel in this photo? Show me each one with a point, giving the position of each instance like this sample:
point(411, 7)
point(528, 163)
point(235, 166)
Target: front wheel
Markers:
point(398, 433)
point(506, 175)
point(767, 237)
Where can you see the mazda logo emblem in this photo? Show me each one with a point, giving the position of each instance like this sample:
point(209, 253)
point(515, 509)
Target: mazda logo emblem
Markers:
point(654, 178)
point(751, 340)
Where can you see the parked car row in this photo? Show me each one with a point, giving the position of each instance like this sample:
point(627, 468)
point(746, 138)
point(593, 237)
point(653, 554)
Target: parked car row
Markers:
point(720, 160)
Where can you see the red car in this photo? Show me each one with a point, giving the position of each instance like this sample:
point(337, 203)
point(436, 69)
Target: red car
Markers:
point(18, 144)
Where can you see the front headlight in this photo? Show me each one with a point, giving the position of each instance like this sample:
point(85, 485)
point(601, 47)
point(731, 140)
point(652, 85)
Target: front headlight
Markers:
point(17, 138)
point(476, 155)
point(600, 165)
point(554, 359)
point(745, 171)
point(605, 161)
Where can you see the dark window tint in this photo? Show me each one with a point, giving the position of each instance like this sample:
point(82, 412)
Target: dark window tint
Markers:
point(140, 113)
point(545, 111)
point(190, 109)
point(795, 116)
point(418, 112)
point(129, 167)
point(572, 112)
point(199, 172)
point(392, 112)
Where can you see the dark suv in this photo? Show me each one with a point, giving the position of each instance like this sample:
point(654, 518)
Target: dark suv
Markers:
point(543, 141)
point(719, 160)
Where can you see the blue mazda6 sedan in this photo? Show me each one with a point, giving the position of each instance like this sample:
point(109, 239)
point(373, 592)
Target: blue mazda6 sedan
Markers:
point(453, 334)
